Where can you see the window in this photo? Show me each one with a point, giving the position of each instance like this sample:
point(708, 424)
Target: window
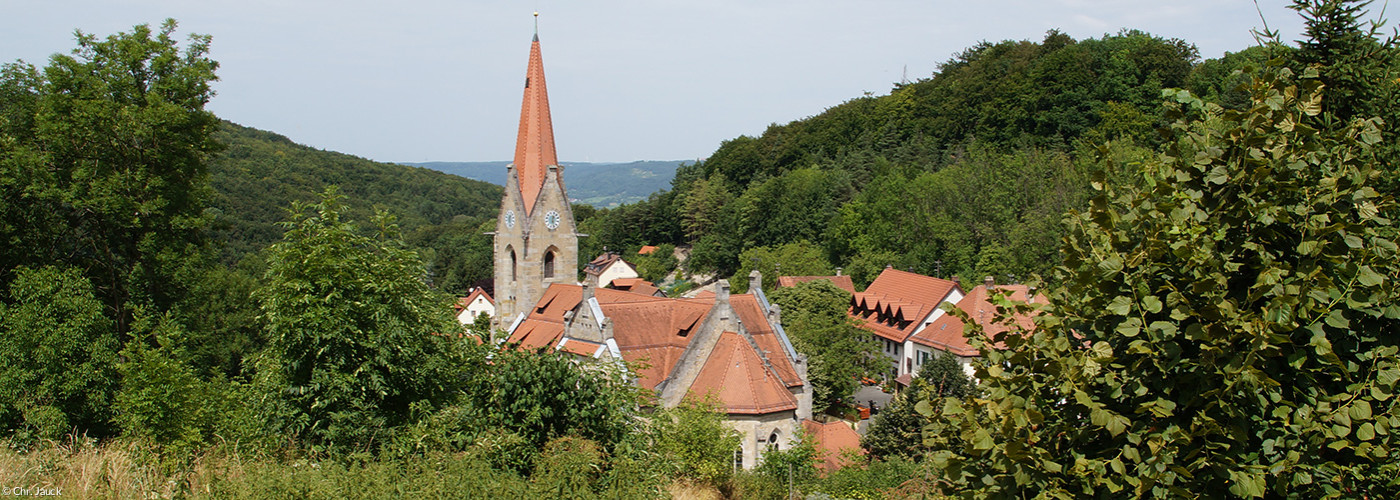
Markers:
point(923, 358)
point(773, 440)
point(549, 264)
point(512, 263)
point(738, 459)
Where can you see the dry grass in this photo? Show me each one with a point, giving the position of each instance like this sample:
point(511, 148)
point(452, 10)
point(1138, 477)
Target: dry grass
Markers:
point(80, 469)
point(683, 490)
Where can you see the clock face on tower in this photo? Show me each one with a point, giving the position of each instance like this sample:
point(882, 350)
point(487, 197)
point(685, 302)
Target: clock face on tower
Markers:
point(510, 219)
point(551, 219)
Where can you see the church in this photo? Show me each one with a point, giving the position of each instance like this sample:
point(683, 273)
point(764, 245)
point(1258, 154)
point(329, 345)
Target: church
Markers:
point(730, 348)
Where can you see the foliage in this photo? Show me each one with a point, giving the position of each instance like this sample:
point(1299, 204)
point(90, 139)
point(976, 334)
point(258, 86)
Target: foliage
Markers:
point(103, 164)
point(161, 399)
point(261, 172)
point(357, 342)
point(1232, 324)
point(897, 431)
point(658, 264)
point(60, 351)
point(799, 258)
point(797, 464)
point(838, 352)
point(542, 396)
point(694, 443)
point(867, 481)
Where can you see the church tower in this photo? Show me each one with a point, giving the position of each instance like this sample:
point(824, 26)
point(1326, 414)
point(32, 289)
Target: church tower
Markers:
point(535, 243)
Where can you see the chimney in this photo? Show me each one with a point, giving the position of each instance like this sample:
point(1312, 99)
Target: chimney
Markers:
point(957, 281)
point(755, 281)
point(1030, 293)
point(588, 286)
point(838, 271)
point(722, 296)
point(590, 280)
point(990, 282)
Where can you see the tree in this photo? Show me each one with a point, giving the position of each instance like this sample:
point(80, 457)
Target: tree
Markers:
point(61, 353)
point(693, 441)
point(799, 258)
point(898, 429)
point(1227, 327)
point(357, 342)
point(838, 352)
point(103, 164)
point(543, 396)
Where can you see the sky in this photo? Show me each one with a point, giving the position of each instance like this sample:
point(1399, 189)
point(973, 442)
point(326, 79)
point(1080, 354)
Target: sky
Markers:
point(439, 80)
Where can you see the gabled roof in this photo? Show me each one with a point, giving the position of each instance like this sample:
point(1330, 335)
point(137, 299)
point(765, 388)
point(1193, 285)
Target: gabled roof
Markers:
point(735, 375)
point(646, 250)
point(895, 304)
point(635, 285)
point(602, 262)
point(652, 333)
point(833, 439)
point(946, 333)
point(534, 142)
point(463, 302)
point(842, 281)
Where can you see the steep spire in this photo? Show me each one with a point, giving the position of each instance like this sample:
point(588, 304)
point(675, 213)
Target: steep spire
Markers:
point(534, 144)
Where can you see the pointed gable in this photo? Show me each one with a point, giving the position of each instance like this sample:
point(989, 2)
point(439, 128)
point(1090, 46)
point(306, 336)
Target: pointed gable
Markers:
point(737, 377)
point(534, 143)
point(896, 304)
point(946, 333)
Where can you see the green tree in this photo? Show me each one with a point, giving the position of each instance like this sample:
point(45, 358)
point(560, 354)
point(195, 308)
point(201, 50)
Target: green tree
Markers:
point(1227, 328)
point(61, 354)
point(103, 164)
point(161, 398)
point(898, 429)
point(542, 396)
point(357, 342)
point(692, 441)
point(838, 352)
point(799, 258)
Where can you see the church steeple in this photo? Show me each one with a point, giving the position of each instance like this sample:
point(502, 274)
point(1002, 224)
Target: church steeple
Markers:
point(534, 144)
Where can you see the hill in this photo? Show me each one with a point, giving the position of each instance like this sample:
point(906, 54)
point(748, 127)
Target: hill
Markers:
point(601, 185)
point(259, 174)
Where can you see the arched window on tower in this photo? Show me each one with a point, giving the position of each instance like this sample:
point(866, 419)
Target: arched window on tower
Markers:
point(512, 264)
point(549, 264)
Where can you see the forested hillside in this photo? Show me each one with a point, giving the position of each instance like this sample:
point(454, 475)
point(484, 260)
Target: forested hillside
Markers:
point(966, 172)
point(258, 174)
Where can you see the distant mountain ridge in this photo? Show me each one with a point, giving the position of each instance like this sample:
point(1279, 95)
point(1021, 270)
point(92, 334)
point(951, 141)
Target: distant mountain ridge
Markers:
point(598, 184)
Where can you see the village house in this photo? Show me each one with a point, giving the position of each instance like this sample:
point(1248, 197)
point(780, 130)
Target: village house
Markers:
point(476, 303)
point(610, 267)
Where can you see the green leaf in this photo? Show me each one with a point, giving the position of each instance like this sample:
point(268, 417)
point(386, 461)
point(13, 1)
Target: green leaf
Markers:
point(1360, 410)
point(1121, 305)
point(1366, 432)
point(1152, 304)
point(1369, 277)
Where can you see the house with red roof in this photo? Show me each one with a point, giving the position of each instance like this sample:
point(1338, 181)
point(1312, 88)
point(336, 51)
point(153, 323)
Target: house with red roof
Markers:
point(729, 347)
point(609, 267)
point(945, 334)
point(897, 305)
point(476, 303)
point(840, 280)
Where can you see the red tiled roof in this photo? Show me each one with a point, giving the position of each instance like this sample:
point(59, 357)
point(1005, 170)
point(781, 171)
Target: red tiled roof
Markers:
point(635, 285)
point(646, 250)
point(746, 306)
point(946, 333)
point(833, 439)
point(735, 375)
point(579, 347)
point(463, 302)
point(843, 281)
point(534, 142)
point(653, 332)
point(601, 263)
point(893, 306)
